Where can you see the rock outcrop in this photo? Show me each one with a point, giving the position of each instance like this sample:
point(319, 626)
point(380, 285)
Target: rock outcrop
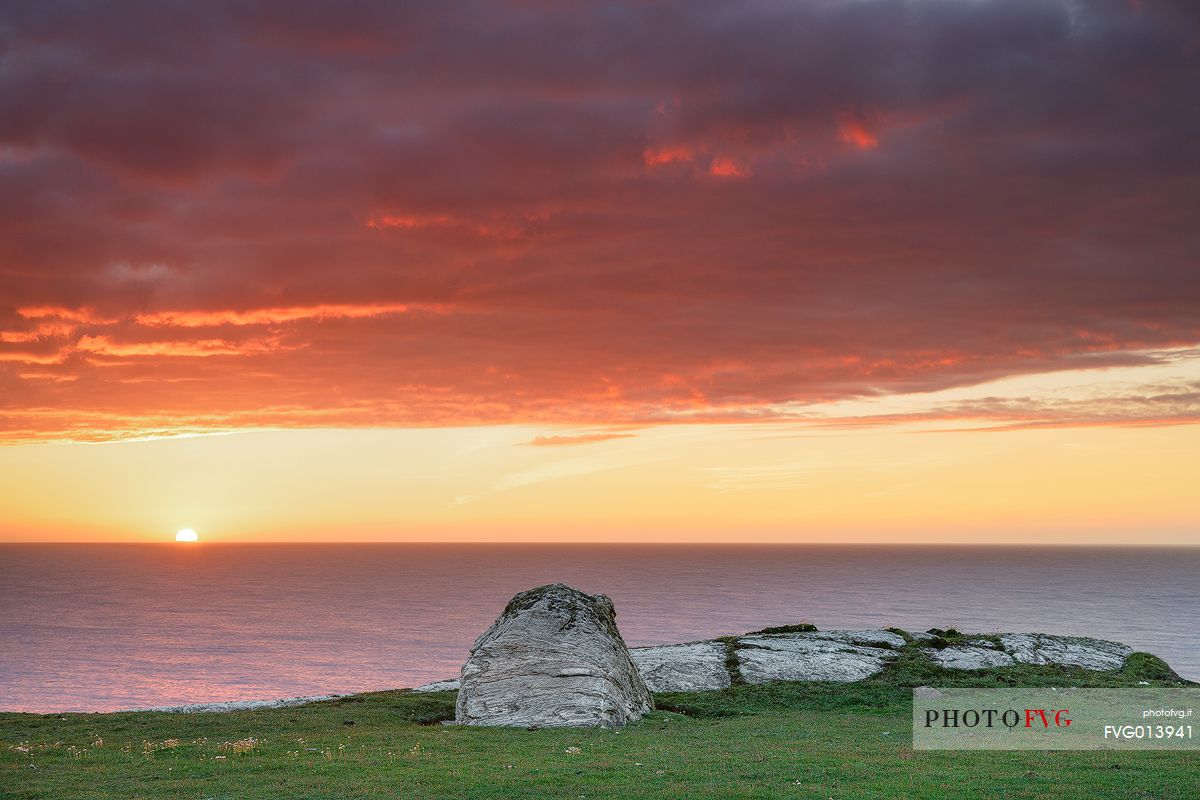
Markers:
point(691, 667)
point(1008, 649)
point(1069, 651)
point(969, 656)
point(868, 638)
point(809, 657)
point(554, 658)
point(803, 656)
point(846, 656)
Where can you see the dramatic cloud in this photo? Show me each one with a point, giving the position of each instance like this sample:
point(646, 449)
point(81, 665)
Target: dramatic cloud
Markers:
point(238, 214)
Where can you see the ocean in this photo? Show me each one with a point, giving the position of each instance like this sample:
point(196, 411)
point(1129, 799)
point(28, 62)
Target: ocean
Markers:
point(103, 627)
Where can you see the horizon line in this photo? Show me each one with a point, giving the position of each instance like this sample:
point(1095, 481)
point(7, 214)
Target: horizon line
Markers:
point(642, 543)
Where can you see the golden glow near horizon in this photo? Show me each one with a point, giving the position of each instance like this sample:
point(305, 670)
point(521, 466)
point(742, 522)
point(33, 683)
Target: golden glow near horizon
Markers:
point(187, 535)
point(769, 482)
point(997, 462)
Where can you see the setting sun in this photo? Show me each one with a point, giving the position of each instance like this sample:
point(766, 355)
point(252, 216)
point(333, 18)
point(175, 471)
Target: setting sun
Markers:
point(186, 535)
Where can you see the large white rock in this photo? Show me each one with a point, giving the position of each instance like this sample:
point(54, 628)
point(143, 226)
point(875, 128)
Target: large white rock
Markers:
point(807, 657)
point(1071, 651)
point(554, 658)
point(691, 667)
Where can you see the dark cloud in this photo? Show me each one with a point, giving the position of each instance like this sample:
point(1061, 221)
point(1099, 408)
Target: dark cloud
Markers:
point(596, 212)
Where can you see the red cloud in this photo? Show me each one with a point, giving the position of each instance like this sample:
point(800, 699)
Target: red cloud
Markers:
point(671, 154)
point(411, 221)
point(855, 133)
point(726, 167)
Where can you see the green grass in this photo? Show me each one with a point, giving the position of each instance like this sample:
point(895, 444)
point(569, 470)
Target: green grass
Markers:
point(802, 740)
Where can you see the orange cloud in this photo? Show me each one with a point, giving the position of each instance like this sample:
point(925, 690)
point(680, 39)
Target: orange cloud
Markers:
point(43, 330)
point(274, 316)
point(18, 336)
point(32, 358)
point(587, 438)
point(855, 133)
point(53, 377)
point(495, 226)
point(410, 222)
point(103, 345)
point(85, 315)
point(655, 156)
point(726, 167)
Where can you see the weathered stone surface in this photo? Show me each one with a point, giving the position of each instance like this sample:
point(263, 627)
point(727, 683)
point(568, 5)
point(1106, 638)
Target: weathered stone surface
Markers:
point(691, 667)
point(1072, 651)
point(969, 657)
point(1033, 648)
point(866, 638)
point(448, 685)
point(554, 658)
point(807, 657)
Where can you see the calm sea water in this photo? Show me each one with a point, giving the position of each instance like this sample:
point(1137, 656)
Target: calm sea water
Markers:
point(100, 627)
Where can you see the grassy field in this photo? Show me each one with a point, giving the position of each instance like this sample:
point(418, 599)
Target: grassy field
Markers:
point(780, 740)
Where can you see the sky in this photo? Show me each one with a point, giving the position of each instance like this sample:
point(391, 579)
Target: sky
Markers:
point(844, 270)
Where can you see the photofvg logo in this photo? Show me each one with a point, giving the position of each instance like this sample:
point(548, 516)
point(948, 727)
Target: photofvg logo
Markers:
point(991, 717)
point(1055, 719)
